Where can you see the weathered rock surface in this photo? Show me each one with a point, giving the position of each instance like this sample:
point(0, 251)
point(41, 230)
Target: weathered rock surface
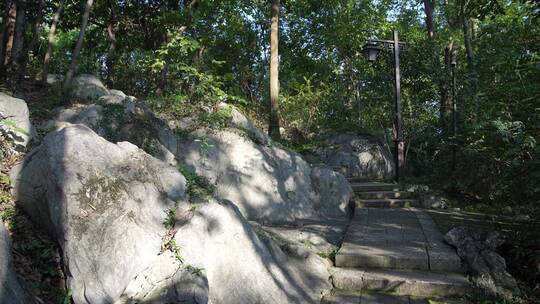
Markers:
point(103, 202)
point(114, 97)
point(241, 122)
point(242, 267)
point(55, 79)
point(428, 198)
point(356, 156)
point(11, 290)
point(90, 115)
point(318, 236)
point(88, 88)
point(167, 281)
point(17, 120)
point(433, 200)
point(267, 183)
point(477, 248)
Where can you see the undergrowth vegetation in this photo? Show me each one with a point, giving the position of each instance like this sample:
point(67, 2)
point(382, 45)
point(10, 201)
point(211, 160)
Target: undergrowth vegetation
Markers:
point(38, 257)
point(197, 186)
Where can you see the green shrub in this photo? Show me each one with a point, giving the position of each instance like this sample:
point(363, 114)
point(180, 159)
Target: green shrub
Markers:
point(197, 186)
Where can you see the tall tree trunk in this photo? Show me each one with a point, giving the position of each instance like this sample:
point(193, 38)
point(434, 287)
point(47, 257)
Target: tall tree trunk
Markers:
point(17, 52)
point(161, 85)
point(273, 123)
point(112, 28)
point(474, 29)
point(78, 46)
point(3, 33)
point(352, 89)
point(50, 42)
point(35, 36)
point(429, 8)
point(10, 32)
point(446, 91)
point(471, 64)
point(162, 81)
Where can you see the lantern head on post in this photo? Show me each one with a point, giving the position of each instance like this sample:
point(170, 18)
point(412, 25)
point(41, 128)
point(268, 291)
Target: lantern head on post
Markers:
point(370, 51)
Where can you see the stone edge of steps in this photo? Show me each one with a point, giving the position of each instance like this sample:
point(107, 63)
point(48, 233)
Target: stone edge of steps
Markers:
point(387, 203)
point(385, 195)
point(400, 282)
point(382, 298)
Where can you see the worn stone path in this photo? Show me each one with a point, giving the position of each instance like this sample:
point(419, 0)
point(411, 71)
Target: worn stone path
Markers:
point(394, 253)
point(397, 239)
point(376, 298)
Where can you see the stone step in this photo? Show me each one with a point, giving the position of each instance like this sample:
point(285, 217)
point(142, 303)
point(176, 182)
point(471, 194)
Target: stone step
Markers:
point(374, 254)
point(384, 194)
point(359, 179)
point(374, 186)
point(404, 283)
point(409, 253)
point(399, 238)
point(340, 297)
point(387, 203)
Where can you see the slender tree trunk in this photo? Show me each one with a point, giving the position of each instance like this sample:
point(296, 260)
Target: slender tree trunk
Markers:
point(50, 43)
point(471, 64)
point(3, 33)
point(352, 97)
point(446, 91)
point(10, 32)
point(474, 29)
point(162, 82)
point(429, 8)
point(35, 37)
point(112, 28)
point(78, 46)
point(161, 85)
point(273, 123)
point(467, 35)
point(17, 52)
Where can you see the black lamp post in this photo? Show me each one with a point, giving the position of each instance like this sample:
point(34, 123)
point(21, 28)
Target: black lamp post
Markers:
point(453, 64)
point(370, 50)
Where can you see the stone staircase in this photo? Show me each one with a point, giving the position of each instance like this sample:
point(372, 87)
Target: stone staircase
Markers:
point(393, 252)
point(382, 195)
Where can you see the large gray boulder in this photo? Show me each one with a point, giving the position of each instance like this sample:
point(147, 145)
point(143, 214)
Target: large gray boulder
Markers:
point(104, 203)
point(355, 156)
point(477, 248)
point(242, 266)
point(11, 290)
point(88, 88)
point(15, 120)
point(105, 120)
point(114, 97)
point(267, 183)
